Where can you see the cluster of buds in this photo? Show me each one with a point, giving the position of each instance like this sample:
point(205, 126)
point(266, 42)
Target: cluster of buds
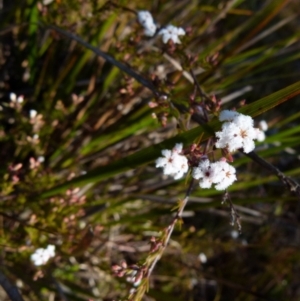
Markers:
point(134, 273)
point(15, 171)
point(155, 244)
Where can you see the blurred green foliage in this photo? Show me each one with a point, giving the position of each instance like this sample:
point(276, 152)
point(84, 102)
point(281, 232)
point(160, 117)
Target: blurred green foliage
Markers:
point(84, 161)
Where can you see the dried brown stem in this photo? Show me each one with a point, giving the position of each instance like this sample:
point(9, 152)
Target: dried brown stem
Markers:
point(146, 83)
point(235, 217)
point(171, 227)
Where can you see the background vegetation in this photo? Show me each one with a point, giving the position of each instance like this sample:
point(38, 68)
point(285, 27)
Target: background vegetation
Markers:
point(80, 174)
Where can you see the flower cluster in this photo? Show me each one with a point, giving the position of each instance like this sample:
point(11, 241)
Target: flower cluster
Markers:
point(176, 165)
point(237, 132)
point(219, 173)
point(41, 255)
point(146, 20)
point(173, 163)
point(169, 32)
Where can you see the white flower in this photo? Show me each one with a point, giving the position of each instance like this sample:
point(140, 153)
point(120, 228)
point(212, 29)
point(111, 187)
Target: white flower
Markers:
point(237, 132)
point(144, 17)
point(229, 137)
point(205, 172)
point(220, 173)
point(41, 256)
point(171, 32)
point(226, 174)
point(173, 163)
point(146, 20)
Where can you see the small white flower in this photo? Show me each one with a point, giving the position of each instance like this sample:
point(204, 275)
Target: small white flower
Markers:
point(237, 132)
point(171, 32)
point(173, 163)
point(220, 173)
point(146, 20)
point(205, 172)
point(226, 175)
point(144, 17)
point(229, 137)
point(41, 255)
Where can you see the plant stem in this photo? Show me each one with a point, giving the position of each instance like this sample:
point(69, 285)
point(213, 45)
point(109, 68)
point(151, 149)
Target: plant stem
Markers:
point(171, 228)
point(290, 183)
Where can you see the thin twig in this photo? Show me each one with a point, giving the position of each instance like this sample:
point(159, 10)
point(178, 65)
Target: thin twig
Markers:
point(202, 94)
point(290, 183)
point(146, 83)
point(235, 217)
point(171, 227)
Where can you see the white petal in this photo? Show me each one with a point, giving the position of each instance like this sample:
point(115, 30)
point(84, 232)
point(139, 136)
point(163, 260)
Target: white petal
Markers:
point(260, 135)
point(205, 183)
point(248, 145)
point(167, 153)
point(178, 147)
point(243, 121)
point(161, 162)
point(144, 16)
point(181, 31)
